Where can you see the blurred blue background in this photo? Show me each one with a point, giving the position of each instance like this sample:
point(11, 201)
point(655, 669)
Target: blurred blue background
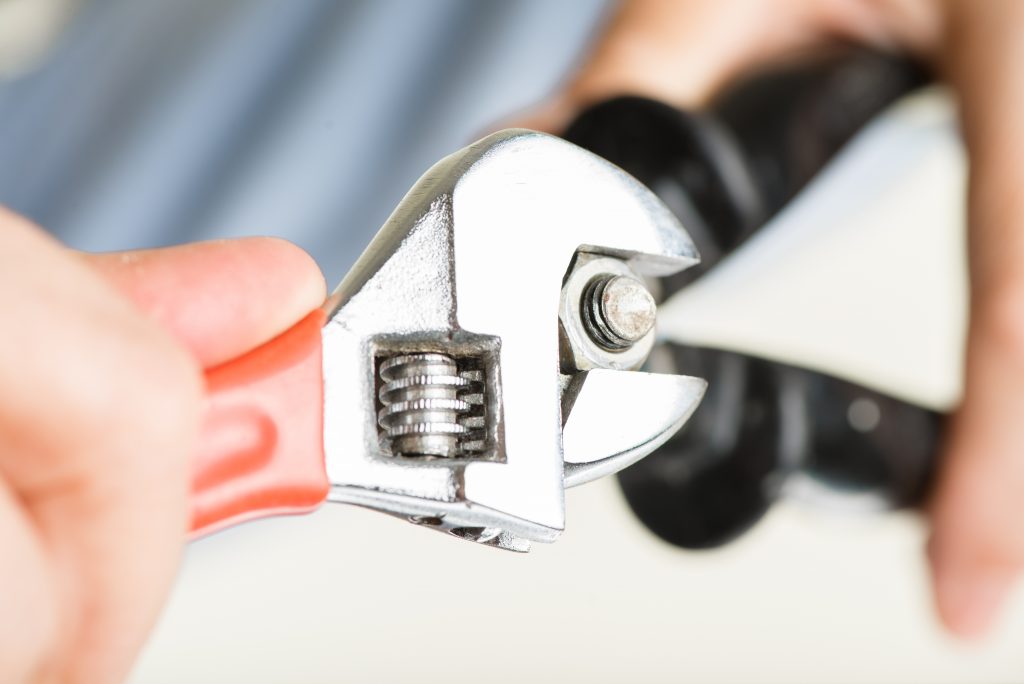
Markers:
point(149, 122)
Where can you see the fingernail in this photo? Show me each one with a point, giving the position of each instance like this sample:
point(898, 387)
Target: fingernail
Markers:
point(969, 598)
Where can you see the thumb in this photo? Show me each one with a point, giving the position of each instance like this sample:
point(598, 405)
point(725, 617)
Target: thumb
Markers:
point(219, 298)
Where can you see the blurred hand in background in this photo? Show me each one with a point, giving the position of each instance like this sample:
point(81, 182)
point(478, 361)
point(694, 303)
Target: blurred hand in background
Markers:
point(100, 365)
point(683, 52)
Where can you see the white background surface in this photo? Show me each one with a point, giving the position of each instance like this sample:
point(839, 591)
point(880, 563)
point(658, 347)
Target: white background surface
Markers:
point(347, 595)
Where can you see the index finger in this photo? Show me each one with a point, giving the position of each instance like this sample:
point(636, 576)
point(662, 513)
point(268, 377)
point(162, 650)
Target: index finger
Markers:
point(219, 298)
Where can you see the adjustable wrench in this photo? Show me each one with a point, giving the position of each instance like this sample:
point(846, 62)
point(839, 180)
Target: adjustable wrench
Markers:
point(480, 357)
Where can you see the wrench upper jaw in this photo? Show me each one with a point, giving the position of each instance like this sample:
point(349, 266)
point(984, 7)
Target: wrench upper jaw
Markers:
point(653, 265)
point(561, 196)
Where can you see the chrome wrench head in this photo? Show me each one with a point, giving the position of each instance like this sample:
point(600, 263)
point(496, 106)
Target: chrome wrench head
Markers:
point(455, 349)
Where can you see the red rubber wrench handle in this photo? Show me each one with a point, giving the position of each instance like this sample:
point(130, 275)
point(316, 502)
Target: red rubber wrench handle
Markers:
point(261, 448)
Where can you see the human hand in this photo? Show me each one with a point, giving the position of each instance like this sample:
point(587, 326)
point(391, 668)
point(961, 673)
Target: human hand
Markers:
point(100, 365)
point(682, 52)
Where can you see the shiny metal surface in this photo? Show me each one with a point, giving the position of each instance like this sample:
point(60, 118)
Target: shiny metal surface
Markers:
point(586, 352)
point(471, 265)
point(429, 406)
point(603, 434)
point(618, 310)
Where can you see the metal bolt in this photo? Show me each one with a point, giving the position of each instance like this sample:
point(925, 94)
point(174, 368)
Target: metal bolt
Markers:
point(617, 311)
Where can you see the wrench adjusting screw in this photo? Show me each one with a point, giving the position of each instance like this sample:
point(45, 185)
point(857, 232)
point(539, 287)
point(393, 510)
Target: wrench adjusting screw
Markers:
point(431, 406)
point(617, 311)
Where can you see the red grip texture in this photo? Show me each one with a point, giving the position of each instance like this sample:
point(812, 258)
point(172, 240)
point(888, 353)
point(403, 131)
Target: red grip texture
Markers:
point(261, 448)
